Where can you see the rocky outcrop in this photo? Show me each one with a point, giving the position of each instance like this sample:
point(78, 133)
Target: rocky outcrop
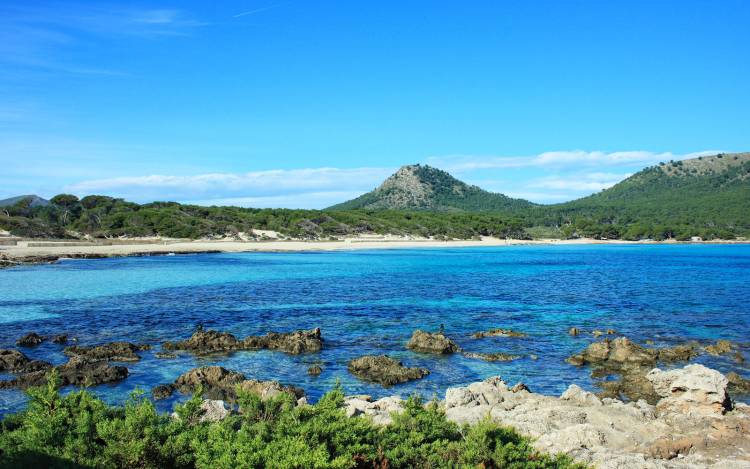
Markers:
point(31, 339)
point(431, 342)
point(219, 383)
point(498, 333)
point(492, 357)
point(291, 342)
point(113, 351)
point(721, 347)
point(384, 370)
point(13, 360)
point(693, 389)
point(78, 371)
point(208, 341)
point(686, 429)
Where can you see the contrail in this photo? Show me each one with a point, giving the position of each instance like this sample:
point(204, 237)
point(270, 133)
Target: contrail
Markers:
point(252, 12)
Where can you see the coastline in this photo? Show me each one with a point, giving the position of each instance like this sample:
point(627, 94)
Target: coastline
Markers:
point(48, 252)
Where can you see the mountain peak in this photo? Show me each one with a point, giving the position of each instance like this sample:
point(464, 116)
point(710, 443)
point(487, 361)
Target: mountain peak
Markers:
point(422, 187)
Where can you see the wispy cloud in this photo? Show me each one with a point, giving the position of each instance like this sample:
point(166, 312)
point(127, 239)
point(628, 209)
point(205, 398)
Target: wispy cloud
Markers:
point(256, 11)
point(299, 185)
point(560, 159)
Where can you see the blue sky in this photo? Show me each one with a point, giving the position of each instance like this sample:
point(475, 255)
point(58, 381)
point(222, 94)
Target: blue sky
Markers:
point(308, 103)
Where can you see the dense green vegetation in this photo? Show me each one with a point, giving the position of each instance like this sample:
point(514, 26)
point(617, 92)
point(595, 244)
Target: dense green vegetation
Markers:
point(102, 216)
point(79, 430)
point(707, 197)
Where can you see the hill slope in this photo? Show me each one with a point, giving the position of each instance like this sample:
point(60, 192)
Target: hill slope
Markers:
point(707, 193)
point(421, 187)
point(34, 201)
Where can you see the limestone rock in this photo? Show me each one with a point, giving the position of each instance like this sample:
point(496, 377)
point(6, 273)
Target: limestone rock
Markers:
point(213, 410)
point(692, 390)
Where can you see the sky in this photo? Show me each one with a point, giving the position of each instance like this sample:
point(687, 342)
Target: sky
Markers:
point(309, 103)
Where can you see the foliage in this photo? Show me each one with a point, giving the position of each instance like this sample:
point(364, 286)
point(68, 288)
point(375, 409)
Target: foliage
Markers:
point(78, 430)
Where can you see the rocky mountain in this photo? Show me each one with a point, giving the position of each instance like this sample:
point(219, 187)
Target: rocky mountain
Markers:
point(34, 201)
point(422, 187)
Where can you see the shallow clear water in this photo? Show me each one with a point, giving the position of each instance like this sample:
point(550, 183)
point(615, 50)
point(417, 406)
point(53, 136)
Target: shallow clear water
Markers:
point(370, 301)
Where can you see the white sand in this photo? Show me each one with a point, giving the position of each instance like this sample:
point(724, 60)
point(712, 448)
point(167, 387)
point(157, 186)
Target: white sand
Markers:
point(23, 252)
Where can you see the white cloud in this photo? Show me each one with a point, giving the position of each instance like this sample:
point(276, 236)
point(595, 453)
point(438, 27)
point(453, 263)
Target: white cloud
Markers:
point(590, 182)
point(304, 185)
point(557, 159)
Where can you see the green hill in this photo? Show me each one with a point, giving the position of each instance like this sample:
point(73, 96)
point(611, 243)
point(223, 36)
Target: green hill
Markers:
point(421, 187)
point(707, 196)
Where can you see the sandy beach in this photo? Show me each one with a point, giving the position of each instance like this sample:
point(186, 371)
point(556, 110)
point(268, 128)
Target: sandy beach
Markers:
point(50, 251)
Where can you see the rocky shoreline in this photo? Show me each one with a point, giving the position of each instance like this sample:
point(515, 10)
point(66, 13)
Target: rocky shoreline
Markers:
point(643, 417)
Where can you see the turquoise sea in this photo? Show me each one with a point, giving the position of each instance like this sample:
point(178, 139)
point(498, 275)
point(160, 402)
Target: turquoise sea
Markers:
point(369, 302)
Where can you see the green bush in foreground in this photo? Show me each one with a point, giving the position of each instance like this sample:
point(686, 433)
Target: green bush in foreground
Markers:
point(79, 430)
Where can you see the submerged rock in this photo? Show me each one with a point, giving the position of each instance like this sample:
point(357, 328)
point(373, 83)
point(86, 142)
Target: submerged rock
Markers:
point(491, 357)
point(113, 351)
point(431, 342)
point(314, 370)
point(162, 391)
point(208, 341)
point(31, 339)
point(165, 355)
point(384, 370)
point(498, 333)
point(721, 347)
point(60, 339)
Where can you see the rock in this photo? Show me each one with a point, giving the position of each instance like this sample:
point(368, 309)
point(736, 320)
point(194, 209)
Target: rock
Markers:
point(491, 357)
point(631, 385)
point(162, 391)
point(611, 332)
point(739, 358)
point(380, 412)
point(12, 360)
point(574, 331)
point(721, 347)
point(165, 355)
point(219, 383)
point(518, 387)
point(60, 339)
point(533, 357)
point(575, 394)
point(213, 410)
point(667, 448)
point(692, 390)
point(314, 370)
point(429, 342)
point(384, 370)
point(738, 384)
point(683, 352)
point(498, 333)
point(291, 342)
point(113, 351)
point(31, 339)
point(597, 333)
point(80, 371)
point(208, 341)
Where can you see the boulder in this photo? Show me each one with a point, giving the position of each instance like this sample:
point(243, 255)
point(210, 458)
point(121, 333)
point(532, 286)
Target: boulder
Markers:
point(431, 342)
point(113, 351)
point(738, 384)
point(290, 342)
point(384, 370)
point(12, 360)
point(219, 383)
point(575, 394)
point(31, 339)
point(574, 331)
point(692, 390)
point(314, 370)
point(213, 410)
point(491, 357)
point(162, 391)
point(380, 412)
point(498, 333)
